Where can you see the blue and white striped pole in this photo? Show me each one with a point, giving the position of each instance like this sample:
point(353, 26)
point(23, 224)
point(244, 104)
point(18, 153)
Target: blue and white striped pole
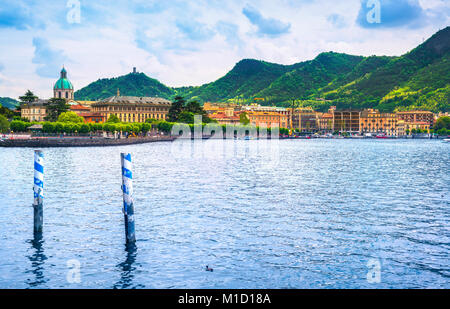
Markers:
point(127, 188)
point(38, 190)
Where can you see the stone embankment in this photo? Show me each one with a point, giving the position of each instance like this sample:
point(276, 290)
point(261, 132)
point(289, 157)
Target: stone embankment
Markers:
point(80, 141)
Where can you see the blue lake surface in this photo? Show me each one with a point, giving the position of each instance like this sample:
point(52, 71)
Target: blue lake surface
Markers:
point(262, 214)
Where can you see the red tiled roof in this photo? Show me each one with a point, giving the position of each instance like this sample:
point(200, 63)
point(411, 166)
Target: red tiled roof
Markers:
point(79, 108)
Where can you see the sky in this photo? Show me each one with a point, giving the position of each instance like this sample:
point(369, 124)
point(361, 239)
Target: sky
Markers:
point(189, 43)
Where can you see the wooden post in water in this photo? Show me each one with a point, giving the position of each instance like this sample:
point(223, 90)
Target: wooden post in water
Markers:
point(38, 190)
point(127, 189)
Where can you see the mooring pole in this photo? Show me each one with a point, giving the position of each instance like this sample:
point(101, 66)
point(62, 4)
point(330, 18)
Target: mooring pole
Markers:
point(127, 188)
point(38, 190)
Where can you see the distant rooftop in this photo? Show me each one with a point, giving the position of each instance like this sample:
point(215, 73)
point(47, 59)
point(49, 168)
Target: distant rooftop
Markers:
point(116, 100)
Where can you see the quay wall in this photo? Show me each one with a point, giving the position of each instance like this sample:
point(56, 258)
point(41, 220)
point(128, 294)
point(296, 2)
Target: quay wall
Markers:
point(80, 142)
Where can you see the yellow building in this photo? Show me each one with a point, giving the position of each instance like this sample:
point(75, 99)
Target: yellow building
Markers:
point(267, 118)
point(405, 128)
point(416, 116)
point(212, 108)
point(346, 121)
point(133, 109)
point(372, 121)
point(304, 119)
point(35, 111)
point(325, 121)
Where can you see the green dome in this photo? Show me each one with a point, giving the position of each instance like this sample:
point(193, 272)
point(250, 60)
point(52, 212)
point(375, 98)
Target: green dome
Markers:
point(63, 84)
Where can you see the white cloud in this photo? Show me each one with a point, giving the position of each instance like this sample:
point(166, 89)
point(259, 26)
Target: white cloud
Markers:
point(189, 43)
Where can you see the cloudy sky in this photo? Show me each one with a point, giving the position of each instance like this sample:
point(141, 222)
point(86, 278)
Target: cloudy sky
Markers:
point(185, 43)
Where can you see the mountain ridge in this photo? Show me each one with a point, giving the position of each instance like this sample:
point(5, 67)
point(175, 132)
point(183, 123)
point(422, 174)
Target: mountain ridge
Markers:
point(9, 103)
point(347, 81)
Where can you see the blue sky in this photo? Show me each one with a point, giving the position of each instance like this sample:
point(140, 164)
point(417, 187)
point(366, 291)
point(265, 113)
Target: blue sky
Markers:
point(185, 43)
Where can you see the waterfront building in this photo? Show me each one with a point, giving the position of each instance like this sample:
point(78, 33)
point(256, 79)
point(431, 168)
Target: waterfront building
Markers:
point(84, 103)
point(416, 117)
point(421, 125)
point(259, 108)
point(87, 114)
point(63, 88)
point(229, 113)
point(325, 121)
point(267, 118)
point(346, 121)
point(212, 108)
point(227, 117)
point(132, 109)
point(303, 119)
point(372, 121)
point(223, 113)
point(35, 111)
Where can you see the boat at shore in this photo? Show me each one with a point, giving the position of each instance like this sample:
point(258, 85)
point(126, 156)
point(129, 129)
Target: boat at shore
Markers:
point(381, 136)
point(447, 140)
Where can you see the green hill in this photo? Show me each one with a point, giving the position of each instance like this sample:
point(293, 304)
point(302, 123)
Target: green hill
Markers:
point(424, 70)
point(418, 79)
point(133, 84)
point(304, 81)
point(247, 78)
point(9, 103)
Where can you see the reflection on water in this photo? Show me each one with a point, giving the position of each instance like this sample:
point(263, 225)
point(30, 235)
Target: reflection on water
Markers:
point(127, 268)
point(37, 262)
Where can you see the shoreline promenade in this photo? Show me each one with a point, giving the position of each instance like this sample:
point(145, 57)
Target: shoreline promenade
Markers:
point(80, 142)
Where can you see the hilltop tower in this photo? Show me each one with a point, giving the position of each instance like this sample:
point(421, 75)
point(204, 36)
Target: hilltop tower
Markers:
point(63, 88)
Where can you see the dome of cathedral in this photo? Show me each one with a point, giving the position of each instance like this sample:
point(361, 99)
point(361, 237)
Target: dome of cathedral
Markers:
point(63, 83)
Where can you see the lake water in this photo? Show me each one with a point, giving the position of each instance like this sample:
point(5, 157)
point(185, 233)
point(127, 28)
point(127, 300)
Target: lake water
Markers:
point(262, 214)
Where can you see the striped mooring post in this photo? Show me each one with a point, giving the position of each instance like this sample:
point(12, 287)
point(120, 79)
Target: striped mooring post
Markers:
point(38, 190)
point(127, 189)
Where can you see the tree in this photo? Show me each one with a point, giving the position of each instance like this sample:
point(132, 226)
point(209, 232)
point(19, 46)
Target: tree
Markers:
point(186, 117)
point(84, 128)
point(195, 107)
point(55, 107)
point(48, 127)
point(4, 124)
point(442, 123)
point(59, 127)
point(19, 126)
point(70, 117)
point(146, 127)
point(243, 119)
point(151, 121)
point(68, 127)
point(29, 97)
point(7, 112)
point(113, 119)
point(443, 132)
point(176, 109)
